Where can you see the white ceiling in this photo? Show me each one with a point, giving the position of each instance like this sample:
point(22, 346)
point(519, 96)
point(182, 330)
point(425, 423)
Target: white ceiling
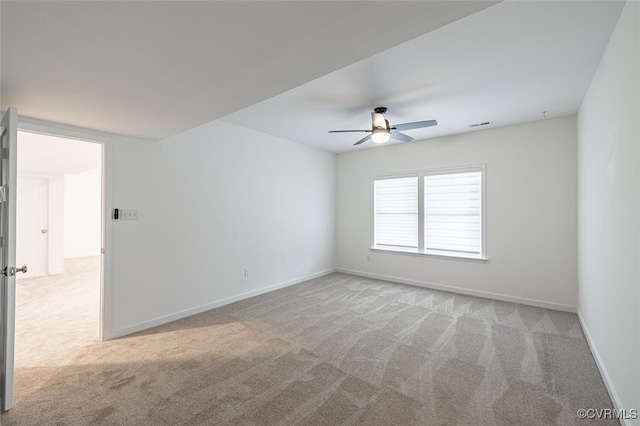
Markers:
point(506, 64)
point(154, 69)
point(46, 155)
point(299, 69)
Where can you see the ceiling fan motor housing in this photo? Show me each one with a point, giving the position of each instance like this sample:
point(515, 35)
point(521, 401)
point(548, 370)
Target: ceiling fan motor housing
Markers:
point(378, 121)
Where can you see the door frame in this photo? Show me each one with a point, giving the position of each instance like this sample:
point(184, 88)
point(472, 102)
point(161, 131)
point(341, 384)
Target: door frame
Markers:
point(33, 125)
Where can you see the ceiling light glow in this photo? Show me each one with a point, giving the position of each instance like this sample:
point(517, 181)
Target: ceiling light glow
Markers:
point(380, 136)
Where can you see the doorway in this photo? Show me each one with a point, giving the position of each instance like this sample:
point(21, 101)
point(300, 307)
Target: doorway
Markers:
point(59, 237)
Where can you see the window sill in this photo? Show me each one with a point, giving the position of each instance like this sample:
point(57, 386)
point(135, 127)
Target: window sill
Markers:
point(434, 255)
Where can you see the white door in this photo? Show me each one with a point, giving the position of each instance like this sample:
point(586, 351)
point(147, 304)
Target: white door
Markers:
point(32, 224)
point(8, 136)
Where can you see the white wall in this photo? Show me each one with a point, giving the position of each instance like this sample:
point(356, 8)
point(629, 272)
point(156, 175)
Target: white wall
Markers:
point(82, 212)
point(609, 211)
point(531, 210)
point(56, 224)
point(0, 54)
point(212, 201)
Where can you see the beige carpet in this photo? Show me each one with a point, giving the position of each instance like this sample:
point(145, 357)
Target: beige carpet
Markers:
point(331, 351)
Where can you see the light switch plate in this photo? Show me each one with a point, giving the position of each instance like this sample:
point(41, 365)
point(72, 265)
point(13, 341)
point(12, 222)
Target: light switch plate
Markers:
point(129, 214)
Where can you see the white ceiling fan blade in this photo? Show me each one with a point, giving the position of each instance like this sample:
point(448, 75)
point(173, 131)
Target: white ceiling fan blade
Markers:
point(366, 138)
point(400, 136)
point(415, 125)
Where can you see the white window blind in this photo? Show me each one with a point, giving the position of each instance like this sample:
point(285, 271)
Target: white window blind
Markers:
point(396, 212)
point(452, 212)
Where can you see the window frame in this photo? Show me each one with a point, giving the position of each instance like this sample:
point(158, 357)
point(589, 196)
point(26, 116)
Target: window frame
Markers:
point(421, 251)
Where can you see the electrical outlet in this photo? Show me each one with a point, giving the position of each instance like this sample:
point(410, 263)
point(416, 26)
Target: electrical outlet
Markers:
point(368, 258)
point(246, 272)
point(129, 214)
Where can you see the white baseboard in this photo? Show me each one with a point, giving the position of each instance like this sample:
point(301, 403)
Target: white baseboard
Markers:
point(603, 371)
point(487, 295)
point(216, 304)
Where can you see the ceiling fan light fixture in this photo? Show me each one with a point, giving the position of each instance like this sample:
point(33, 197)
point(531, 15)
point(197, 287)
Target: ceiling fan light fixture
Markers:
point(380, 136)
point(381, 129)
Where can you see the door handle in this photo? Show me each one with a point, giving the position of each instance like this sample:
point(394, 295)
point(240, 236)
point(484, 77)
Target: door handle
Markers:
point(44, 231)
point(9, 272)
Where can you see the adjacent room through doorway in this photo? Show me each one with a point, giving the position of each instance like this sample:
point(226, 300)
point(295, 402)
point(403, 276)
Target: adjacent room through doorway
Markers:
point(59, 238)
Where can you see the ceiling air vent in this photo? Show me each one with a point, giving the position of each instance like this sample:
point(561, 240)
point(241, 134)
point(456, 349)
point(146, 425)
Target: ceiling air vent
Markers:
point(486, 123)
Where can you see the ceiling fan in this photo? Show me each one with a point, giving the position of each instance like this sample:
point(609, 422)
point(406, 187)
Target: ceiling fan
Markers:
point(381, 131)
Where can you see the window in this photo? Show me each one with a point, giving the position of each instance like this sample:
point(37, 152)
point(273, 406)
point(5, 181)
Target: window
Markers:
point(436, 212)
point(452, 213)
point(396, 212)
